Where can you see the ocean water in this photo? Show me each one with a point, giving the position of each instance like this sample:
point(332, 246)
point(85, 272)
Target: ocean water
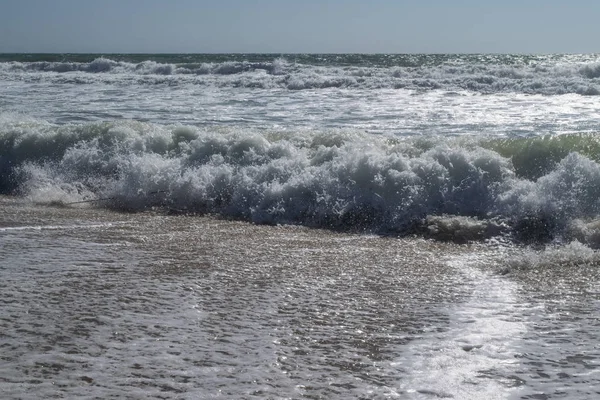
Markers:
point(299, 226)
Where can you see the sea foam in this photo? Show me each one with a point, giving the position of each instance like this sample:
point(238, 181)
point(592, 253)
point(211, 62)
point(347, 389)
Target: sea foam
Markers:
point(445, 188)
point(547, 77)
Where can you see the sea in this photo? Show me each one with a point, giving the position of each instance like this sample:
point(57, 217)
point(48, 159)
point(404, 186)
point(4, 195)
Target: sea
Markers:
point(299, 226)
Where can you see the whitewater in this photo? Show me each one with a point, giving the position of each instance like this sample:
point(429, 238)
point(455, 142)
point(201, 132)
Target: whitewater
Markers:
point(299, 226)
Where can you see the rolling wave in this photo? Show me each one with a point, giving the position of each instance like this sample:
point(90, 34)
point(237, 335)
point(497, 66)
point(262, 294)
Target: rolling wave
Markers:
point(548, 77)
point(455, 189)
point(106, 65)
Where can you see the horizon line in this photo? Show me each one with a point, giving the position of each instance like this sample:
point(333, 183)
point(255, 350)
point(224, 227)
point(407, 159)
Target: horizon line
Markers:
point(298, 53)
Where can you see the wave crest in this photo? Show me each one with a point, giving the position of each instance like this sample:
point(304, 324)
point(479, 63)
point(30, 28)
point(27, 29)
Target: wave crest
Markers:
point(547, 77)
point(340, 180)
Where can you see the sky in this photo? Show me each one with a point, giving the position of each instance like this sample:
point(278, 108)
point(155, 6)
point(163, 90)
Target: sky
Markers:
point(300, 26)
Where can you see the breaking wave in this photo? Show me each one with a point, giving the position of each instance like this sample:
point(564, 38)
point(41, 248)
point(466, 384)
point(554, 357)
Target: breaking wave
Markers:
point(106, 65)
point(548, 77)
point(451, 189)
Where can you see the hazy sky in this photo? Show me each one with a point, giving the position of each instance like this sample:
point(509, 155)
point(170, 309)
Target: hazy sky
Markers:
point(298, 26)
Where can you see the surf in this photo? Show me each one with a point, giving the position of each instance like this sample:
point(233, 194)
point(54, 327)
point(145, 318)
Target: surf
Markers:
point(455, 188)
point(485, 74)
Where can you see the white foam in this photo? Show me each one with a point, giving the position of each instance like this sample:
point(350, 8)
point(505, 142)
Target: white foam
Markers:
point(9, 229)
point(474, 358)
point(342, 180)
point(545, 76)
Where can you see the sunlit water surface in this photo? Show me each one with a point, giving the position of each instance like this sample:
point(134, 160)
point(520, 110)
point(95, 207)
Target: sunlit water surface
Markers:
point(103, 304)
point(100, 304)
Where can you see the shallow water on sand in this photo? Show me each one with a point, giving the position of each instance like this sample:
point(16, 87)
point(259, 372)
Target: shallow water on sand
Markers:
point(100, 304)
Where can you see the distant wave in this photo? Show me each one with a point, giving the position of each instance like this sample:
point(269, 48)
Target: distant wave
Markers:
point(456, 189)
point(106, 65)
point(548, 78)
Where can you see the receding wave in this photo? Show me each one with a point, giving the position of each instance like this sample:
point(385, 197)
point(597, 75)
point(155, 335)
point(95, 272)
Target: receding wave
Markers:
point(452, 189)
point(548, 77)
